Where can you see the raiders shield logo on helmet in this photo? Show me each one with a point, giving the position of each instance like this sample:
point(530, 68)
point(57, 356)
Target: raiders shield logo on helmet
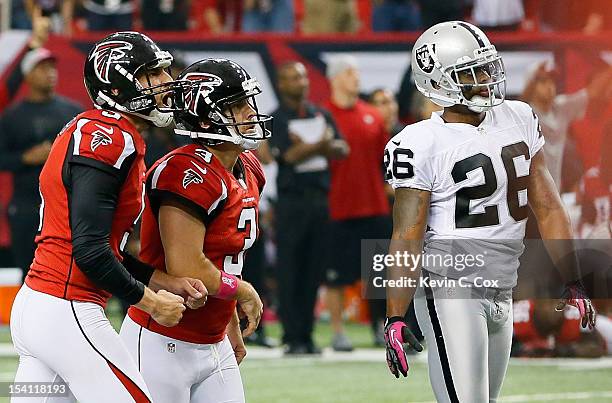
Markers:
point(107, 54)
point(424, 59)
point(206, 84)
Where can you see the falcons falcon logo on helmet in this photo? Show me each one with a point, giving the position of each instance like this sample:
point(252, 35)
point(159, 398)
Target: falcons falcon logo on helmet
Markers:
point(106, 54)
point(101, 137)
point(205, 83)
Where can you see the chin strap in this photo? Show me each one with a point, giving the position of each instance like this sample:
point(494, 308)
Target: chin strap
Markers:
point(235, 138)
point(159, 119)
point(479, 109)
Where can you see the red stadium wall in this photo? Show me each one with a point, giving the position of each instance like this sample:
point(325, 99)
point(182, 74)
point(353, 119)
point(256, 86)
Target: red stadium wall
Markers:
point(575, 55)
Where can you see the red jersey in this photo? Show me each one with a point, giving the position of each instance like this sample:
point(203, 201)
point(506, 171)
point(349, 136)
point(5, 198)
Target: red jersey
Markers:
point(105, 140)
point(229, 208)
point(526, 332)
point(357, 182)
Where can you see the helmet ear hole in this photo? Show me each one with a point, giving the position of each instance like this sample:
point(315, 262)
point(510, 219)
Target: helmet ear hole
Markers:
point(115, 91)
point(435, 84)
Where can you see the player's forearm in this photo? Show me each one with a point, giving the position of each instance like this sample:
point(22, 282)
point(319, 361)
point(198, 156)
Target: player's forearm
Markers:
point(197, 267)
point(148, 301)
point(557, 236)
point(141, 271)
point(410, 212)
point(96, 260)
point(399, 298)
point(159, 280)
point(201, 268)
point(553, 221)
point(554, 224)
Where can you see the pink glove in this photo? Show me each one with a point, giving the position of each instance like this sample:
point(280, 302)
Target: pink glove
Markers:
point(396, 334)
point(575, 295)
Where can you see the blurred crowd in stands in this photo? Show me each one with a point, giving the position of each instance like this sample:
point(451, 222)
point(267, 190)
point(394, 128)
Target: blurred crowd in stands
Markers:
point(313, 16)
point(320, 208)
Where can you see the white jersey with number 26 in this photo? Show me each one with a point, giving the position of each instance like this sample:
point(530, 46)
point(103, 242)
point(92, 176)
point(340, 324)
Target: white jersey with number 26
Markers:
point(478, 179)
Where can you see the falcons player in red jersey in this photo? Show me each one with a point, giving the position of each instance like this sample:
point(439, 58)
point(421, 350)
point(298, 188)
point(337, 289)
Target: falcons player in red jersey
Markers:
point(200, 218)
point(91, 188)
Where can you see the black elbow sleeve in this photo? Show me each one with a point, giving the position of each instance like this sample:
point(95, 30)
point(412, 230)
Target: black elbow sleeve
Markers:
point(93, 199)
point(99, 264)
point(140, 270)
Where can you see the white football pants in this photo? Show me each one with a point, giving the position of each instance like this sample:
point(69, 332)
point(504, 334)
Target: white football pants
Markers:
point(469, 335)
point(72, 342)
point(180, 372)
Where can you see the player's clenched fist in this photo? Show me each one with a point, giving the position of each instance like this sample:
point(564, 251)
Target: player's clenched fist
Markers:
point(251, 305)
point(169, 308)
point(192, 290)
point(164, 307)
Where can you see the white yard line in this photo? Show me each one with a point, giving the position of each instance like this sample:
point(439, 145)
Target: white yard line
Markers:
point(549, 397)
point(378, 355)
point(269, 355)
point(554, 397)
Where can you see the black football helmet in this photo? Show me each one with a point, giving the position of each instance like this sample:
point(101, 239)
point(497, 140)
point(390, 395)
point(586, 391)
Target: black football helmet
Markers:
point(110, 75)
point(216, 84)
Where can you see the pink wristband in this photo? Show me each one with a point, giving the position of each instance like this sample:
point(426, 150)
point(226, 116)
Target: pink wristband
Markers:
point(228, 287)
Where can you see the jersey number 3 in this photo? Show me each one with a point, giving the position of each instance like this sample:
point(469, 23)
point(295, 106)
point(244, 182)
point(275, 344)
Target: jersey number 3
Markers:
point(248, 219)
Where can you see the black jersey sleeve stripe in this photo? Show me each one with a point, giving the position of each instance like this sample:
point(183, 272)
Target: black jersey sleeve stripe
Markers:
point(435, 322)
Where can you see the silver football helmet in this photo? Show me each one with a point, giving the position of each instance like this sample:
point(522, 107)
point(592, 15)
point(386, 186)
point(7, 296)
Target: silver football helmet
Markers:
point(452, 50)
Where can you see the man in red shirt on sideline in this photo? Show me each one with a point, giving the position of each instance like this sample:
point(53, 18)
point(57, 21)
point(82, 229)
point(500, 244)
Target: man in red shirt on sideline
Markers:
point(358, 204)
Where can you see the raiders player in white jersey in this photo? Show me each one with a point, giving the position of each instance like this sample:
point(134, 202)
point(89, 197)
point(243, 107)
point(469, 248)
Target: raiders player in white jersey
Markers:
point(464, 180)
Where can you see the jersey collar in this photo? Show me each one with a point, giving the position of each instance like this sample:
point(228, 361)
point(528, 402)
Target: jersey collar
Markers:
point(436, 117)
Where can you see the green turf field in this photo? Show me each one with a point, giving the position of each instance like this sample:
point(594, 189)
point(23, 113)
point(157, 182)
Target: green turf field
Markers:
point(364, 377)
point(309, 381)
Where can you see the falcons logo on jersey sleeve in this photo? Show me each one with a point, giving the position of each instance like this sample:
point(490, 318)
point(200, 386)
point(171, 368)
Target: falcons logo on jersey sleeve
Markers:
point(192, 176)
point(204, 84)
point(101, 137)
point(106, 54)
